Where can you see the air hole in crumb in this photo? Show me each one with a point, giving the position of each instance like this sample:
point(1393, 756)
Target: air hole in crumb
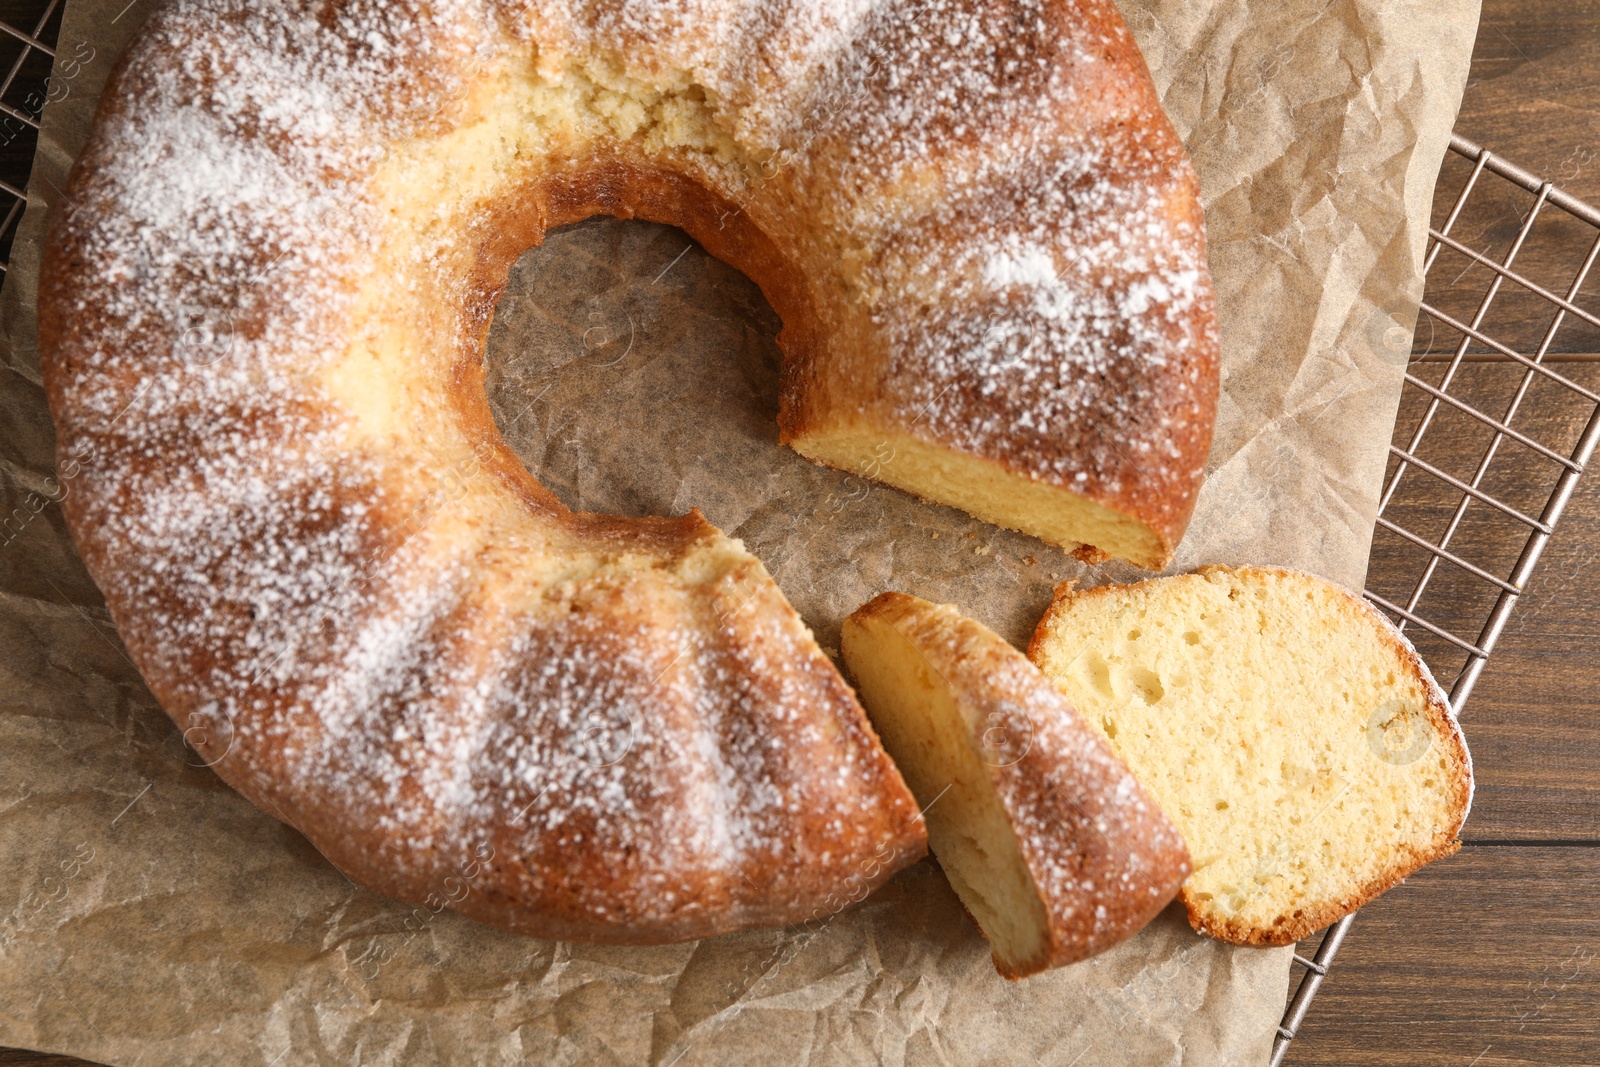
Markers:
point(1191, 637)
point(1134, 635)
point(1109, 727)
point(1147, 683)
point(1222, 805)
point(1097, 672)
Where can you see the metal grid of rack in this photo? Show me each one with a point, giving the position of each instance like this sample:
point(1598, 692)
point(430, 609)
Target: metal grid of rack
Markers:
point(27, 50)
point(1457, 649)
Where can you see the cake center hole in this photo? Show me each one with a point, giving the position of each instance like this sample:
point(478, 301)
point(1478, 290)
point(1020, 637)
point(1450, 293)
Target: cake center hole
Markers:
point(634, 374)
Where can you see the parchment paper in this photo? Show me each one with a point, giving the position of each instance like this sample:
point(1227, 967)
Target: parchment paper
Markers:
point(149, 915)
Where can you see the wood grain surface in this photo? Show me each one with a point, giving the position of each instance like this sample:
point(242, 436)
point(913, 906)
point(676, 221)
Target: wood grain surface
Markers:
point(1492, 957)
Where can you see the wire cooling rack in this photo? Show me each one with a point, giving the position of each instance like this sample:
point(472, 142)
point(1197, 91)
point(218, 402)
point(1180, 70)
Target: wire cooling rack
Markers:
point(1417, 492)
point(26, 55)
point(1507, 507)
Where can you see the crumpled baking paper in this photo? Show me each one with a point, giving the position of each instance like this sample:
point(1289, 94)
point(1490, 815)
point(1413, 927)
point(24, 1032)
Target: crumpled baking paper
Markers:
point(149, 915)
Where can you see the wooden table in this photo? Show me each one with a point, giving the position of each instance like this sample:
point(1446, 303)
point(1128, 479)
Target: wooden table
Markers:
point(1492, 957)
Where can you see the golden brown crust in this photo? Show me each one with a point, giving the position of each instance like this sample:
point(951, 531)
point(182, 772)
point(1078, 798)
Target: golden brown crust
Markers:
point(1103, 857)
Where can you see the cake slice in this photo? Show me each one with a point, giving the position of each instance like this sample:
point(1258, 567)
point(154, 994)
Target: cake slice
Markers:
point(1293, 734)
point(1047, 838)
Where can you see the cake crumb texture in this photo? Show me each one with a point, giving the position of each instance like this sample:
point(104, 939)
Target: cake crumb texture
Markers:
point(1288, 729)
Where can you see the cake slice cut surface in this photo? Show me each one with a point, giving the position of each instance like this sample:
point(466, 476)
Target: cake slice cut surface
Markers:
point(1294, 735)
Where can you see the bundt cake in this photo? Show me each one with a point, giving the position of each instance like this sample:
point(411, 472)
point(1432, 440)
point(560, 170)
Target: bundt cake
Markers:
point(263, 309)
point(1053, 847)
point(1293, 735)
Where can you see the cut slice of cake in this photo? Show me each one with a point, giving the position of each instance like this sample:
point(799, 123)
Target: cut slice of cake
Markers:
point(1050, 842)
point(1292, 733)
